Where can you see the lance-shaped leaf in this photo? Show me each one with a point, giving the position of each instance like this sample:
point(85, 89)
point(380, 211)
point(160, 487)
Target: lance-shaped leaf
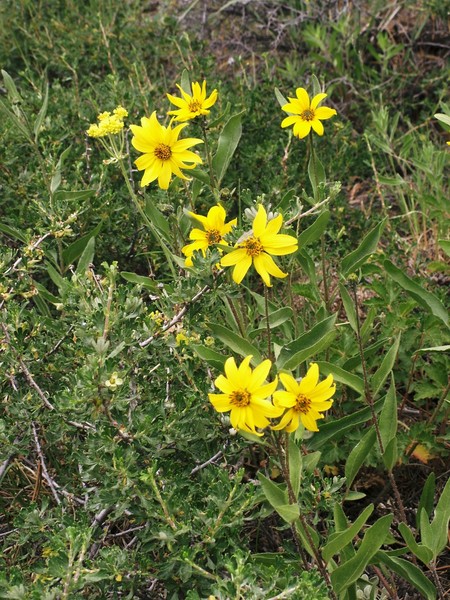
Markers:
point(368, 246)
point(358, 455)
point(236, 342)
point(314, 231)
point(226, 147)
point(339, 540)
point(423, 297)
point(409, 572)
point(308, 344)
point(387, 364)
point(350, 571)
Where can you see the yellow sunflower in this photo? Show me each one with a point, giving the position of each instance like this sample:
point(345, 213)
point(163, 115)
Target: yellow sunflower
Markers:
point(256, 248)
point(244, 394)
point(305, 115)
point(305, 400)
point(193, 106)
point(214, 228)
point(164, 154)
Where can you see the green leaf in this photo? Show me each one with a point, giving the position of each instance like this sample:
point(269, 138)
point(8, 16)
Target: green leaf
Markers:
point(316, 85)
point(435, 349)
point(409, 572)
point(390, 455)
point(146, 282)
point(213, 358)
point(304, 538)
point(316, 174)
point(308, 344)
point(311, 460)
point(427, 498)
point(338, 540)
point(426, 299)
point(314, 231)
point(439, 525)
point(157, 218)
point(445, 245)
point(77, 196)
point(342, 376)
point(56, 179)
point(388, 417)
point(86, 257)
point(278, 317)
point(277, 496)
point(13, 92)
point(15, 120)
point(226, 146)
point(422, 552)
point(368, 246)
point(387, 364)
point(61, 283)
point(337, 429)
point(74, 251)
point(350, 571)
point(281, 99)
point(185, 82)
point(349, 307)
point(200, 175)
point(235, 342)
point(14, 233)
point(41, 115)
point(295, 465)
point(443, 118)
point(358, 455)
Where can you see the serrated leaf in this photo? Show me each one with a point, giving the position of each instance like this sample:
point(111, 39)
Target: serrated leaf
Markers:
point(226, 146)
point(367, 247)
point(351, 570)
point(358, 455)
point(339, 540)
point(235, 342)
point(426, 299)
point(308, 344)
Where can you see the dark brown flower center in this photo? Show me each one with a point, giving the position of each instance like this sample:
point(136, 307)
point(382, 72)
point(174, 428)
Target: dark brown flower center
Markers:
point(307, 115)
point(302, 404)
point(240, 398)
point(253, 246)
point(213, 236)
point(195, 106)
point(163, 152)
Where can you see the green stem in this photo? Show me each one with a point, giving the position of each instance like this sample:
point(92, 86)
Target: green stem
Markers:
point(147, 221)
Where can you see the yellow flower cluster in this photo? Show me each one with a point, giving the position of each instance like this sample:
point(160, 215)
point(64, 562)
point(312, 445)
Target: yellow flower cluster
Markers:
point(108, 123)
point(163, 153)
point(255, 247)
point(246, 396)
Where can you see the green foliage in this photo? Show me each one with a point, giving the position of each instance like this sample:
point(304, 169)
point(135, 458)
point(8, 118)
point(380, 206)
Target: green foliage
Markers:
point(117, 476)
